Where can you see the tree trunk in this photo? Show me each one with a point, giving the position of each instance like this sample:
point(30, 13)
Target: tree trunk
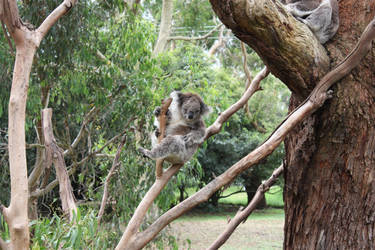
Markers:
point(17, 217)
point(330, 163)
point(331, 159)
point(165, 27)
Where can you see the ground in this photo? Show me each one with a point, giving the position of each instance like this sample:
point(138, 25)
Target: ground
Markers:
point(263, 230)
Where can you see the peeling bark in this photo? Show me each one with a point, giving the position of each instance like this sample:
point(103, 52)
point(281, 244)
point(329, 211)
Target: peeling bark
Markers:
point(55, 155)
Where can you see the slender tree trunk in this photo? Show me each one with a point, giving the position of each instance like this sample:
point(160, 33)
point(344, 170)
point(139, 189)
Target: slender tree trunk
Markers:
point(165, 26)
point(17, 217)
point(330, 167)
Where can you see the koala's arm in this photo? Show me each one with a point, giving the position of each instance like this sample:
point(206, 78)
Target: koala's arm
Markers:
point(195, 136)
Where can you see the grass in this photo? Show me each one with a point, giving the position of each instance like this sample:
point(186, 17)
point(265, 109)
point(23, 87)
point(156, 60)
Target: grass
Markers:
point(262, 230)
point(274, 197)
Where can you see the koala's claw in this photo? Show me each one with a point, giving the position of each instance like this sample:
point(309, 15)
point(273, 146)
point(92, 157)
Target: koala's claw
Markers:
point(188, 140)
point(144, 152)
point(157, 111)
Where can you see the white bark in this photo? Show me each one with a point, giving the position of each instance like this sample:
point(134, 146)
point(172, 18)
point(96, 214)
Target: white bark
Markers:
point(165, 27)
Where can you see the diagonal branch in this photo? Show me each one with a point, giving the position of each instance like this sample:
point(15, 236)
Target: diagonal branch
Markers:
point(115, 164)
point(254, 86)
point(54, 154)
point(243, 214)
point(52, 18)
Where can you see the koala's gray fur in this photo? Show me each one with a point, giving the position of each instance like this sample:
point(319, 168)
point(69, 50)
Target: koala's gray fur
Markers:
point(322, 19)
point(185, 129)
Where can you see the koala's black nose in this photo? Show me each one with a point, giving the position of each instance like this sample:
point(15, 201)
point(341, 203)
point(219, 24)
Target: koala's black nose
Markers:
point(190, 115)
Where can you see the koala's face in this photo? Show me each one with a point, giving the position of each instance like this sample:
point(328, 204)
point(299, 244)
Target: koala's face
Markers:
point(191, 108)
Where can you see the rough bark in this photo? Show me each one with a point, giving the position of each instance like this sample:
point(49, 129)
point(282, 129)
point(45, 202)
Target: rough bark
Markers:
point(55, 155)
point(331, 158)
point(278, 38)
point(329, 171)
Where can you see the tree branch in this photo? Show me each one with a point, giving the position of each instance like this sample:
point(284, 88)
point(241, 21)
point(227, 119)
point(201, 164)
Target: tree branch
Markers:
point(162, 125)
point(55, 154)
point(223, 117)
point(94, 111)
point(218, 43)
point(242, 215)
point(287, 47)
point(248, 75)
point(52, 18)
point(109, 176)
point(186, 38)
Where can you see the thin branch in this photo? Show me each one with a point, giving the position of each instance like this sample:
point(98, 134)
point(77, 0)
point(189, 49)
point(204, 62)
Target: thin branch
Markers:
point(242, 215)
point(162, 125)
point(245, 68)
point(236, 192)
point(223, 117)
point(90, 115)
point(220, 42)
point(61, 10)
point(107, 61)
point(8, 38)
point(186, 38)
point(108, 178)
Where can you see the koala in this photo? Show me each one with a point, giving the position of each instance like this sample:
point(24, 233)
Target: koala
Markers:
point(322, 19)
point(185, 129)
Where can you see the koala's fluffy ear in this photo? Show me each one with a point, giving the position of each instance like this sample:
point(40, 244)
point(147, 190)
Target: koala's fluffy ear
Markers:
point(177, 96)
point(205, 110)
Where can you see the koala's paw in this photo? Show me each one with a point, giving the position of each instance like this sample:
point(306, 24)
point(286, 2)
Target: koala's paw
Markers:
point(157, 111)
point(188, 139)
point(144, 152)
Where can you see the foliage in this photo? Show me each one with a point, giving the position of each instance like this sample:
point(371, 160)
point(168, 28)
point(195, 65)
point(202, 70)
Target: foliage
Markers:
point(82, 233)
point(241, 135)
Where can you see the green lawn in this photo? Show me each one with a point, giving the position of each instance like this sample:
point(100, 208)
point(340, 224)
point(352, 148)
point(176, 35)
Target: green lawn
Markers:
point(274, 197)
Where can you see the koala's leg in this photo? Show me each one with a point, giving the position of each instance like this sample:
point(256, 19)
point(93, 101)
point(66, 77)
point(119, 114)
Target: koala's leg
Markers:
point(170, 145)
